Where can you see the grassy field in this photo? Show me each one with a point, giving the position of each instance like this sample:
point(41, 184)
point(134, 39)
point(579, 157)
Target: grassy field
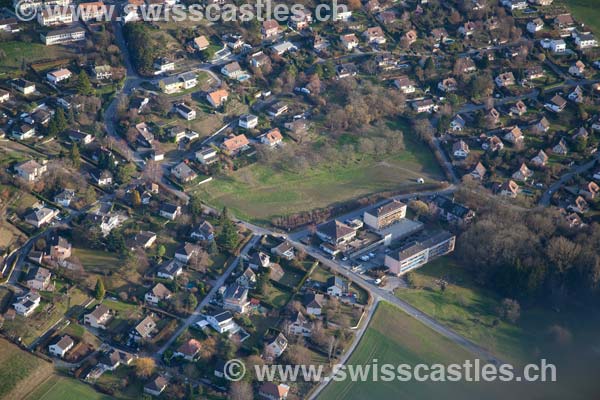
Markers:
point(586, 11)
point(395, 338)
point(471, 311)
point(61, 388)
point(97, 260)
point(25, 372)
point(16, 52)
point(258, 192)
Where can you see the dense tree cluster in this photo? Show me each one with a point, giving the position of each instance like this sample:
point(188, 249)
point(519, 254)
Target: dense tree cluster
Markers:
point(532, 256)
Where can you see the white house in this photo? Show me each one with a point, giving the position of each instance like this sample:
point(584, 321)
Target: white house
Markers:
point(98, 318)
point(60, 348)
point(27, 304)
point(248, 121)
point(58, 75)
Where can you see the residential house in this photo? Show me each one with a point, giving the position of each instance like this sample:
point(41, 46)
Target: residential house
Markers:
point(576, 95)
point(157, 294)
point(535, 25)
point(60, 248)
point(579, 205)
point(186, 112)
point(188, 350)
point(451, 211)
point(336, 286)
point(235, 298)
point(374, 35)
point(185, 253)
point(585, 41)
point(144, 329)
point(169, 269)
point(142, 240)
point(156, 386)
point(38, 278)
point(222, 322)
point(577, 69)
point(81, 138)
point(27, 304)
point(207, 156)
point(479, 171)
point(101, 177)
point(259, 260)
point(533, 73)
point(232, 70)
point(259, 59)
point(519, 108)
point(313, 303)
point(60, 348)
point(421, 106)
point(30, 170)
point(277, 109)
point(23, 131)
point(300, 19)
point(349, 41)
point(41, 216)
point(458, 123)
point(112, 359)
point(405, 84)
point(505, 80)
point(467, 29)
point(236, 144)
point(271, 138)
point(540, 159)
point(285, 250)
point(58, 75)
point(589, 190)
point(144, 136)
point(448, 85)
point(218, 97)
point(283, 47)
point(561, 148)
point(247, 279)
point(65, 197)
point(98, 318)
point(248, 121)
point(513, 135)
point(557, 104)
point(102, 72)
point(558, 46)
point(178, 83)
point(276, 347)
point(163, 65)
point(419, 252)
point(509, 189)
point(523, 173)
point(4, 96)
point(542, 126)
point(183, 172)
point(170, 211)
point(23, 86)
point(200, 43)
point(460, 149)
point(300, 325)
point(270, 29)
point(272, 391)
point(564, 23)
point(382, 216)
point(204, 232)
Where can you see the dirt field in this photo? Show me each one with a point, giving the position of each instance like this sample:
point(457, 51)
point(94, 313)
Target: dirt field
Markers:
point(21, 372)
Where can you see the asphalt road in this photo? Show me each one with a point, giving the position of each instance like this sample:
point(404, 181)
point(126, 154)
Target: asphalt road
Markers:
point(576, 170)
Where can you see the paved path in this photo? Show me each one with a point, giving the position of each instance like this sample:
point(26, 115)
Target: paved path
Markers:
point(576, 170)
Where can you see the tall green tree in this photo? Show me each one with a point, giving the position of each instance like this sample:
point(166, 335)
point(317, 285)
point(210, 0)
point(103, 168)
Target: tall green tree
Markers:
point(84, 86)
point(228, 237)
point(75, 156)
point(99, 290)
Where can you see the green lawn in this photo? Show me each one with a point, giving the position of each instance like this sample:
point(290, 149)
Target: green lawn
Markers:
point(61, 388)
point(586, 11)
point(16, 52)
point(25, 371)
point(258, 192)
point(470, 311)
point(395, 338)
point(97, 260)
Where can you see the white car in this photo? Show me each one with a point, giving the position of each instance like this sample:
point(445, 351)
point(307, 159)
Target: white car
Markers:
point(377, 281)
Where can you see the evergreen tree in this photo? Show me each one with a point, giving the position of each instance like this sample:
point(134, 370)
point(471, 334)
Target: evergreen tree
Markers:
point(228, 237)
point(61, 120)
point(84, 86)
point(99, 291)
point(75, 156)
